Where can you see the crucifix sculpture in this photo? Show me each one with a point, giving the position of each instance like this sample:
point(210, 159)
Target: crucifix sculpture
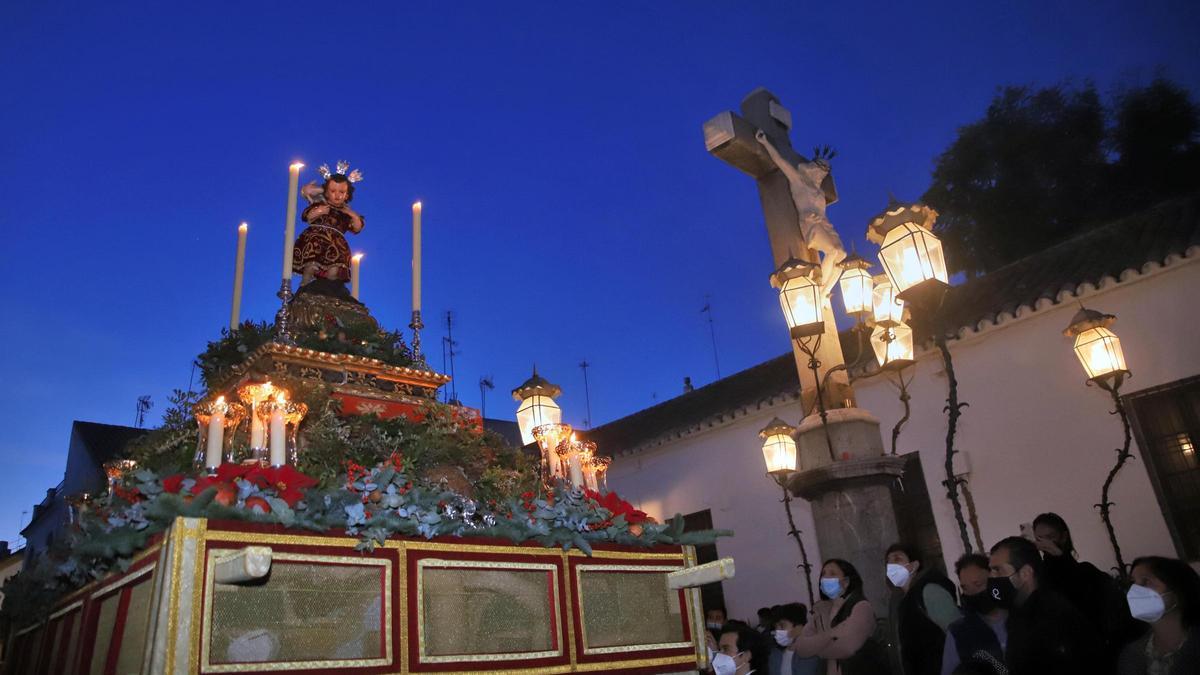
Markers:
point(794, 192)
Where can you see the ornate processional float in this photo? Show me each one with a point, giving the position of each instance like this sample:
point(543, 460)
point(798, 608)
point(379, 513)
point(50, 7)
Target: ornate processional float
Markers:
point(316, 509)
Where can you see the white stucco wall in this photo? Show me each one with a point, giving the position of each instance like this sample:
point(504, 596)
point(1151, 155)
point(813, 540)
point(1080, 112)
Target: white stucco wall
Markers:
point(1037, 439)
point(722, 470)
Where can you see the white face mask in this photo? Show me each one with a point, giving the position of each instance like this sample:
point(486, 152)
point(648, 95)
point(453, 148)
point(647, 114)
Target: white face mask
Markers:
point(897, 574)
point(782, 638)
point(1145, 604)
point(723, 664)
point(714, 625)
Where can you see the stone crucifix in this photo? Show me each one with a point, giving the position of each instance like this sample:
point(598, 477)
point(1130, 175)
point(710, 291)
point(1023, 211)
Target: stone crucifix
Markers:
point(794, 192)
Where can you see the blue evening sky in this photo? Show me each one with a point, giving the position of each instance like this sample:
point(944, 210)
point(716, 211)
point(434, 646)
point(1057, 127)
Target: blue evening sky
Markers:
point(571, 209)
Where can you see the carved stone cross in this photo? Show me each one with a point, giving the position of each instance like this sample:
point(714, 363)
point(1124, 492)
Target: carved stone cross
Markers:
point(730, 137)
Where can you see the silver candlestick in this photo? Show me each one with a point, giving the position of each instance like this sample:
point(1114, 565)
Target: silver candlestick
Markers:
point(416, 326)
point(281, 317)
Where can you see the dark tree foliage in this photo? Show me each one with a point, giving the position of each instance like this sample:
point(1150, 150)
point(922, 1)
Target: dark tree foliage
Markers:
point(1043, 165)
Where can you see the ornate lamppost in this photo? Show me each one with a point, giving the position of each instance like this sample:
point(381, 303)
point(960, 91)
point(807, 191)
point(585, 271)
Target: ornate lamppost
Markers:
point(1099, 351)
point(802, 303)
point(914, 262)
point(779, 452)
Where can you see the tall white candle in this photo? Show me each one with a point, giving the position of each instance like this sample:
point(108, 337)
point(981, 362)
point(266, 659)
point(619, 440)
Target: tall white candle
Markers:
point(239, 267)
point(278, 439)
point(216, 435)
point(576, 469)
point(416, 260)
point(355, 271)
point(256, 431)
point(289, 233)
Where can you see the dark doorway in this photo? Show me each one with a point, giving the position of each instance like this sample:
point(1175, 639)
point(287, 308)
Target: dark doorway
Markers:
point(914, 516)
point(711, 595)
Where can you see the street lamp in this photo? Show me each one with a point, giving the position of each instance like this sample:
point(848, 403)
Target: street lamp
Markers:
point(886, 309)
point(893, 345)
point(779, 452)
point(537, 407)
point(779, 448)
point(800, 297)
point(915, 265)
point(857, 287)
point(910, 252)
point(1099, 351)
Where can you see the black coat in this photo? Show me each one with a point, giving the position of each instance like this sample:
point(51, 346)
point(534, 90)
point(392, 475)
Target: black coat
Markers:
point(1047, 635)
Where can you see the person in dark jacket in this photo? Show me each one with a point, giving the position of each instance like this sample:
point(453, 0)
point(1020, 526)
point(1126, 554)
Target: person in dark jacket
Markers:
point(1165, 594)
point(979, 637)
point(1095, 594)
point(921, 608)
point(1046, 634)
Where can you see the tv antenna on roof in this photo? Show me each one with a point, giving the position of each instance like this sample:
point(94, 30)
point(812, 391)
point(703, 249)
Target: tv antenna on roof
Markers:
point(485, 384)
point(584, 365)
point(144, 404)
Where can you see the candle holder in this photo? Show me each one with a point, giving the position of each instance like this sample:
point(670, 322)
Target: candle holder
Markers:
point(416, 326)
point(563, 450)
point(115, 469)
point(548, 437)
point(293, 415)
point(202, 420)
point(251, 394)
point(282, 333)
point(233, 414)
point(600, 466)
point(77, 505)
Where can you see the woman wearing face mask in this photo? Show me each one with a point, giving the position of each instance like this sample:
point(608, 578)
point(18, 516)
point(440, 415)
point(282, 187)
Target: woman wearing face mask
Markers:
point(1165, 594)
point(782, 660)
point(741, 651)
point(842, 628)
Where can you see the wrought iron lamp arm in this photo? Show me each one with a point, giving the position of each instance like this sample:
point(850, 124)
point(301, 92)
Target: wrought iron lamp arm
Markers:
point(902, 384)
point(814, 364)
point(1113, 386)
point(795, 532)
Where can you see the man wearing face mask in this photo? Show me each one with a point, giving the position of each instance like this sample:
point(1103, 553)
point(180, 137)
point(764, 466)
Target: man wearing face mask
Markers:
point(783, 661)
point(1046, 634)
point(922, 606)
point(1166, 595)
point(979, 636)
point(741, 651)
point(714, 620)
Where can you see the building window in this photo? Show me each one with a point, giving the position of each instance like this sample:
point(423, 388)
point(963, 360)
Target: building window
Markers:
point(712, 596)
point(1167, 422)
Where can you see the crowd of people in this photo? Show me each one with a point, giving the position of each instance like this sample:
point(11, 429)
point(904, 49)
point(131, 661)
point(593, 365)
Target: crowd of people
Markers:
point(1029, 607)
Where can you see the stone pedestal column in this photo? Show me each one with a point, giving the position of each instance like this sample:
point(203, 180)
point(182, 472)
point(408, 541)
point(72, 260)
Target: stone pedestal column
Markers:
point(851, 498)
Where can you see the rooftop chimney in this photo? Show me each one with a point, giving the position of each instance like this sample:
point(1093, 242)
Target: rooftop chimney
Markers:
point(687, 385)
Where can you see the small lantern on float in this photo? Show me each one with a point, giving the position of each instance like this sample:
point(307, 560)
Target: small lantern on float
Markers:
point(800, 297)
point(910, 252)
point(779, 448)
point(1097, 347)
point(537, 406)
point(857, 286)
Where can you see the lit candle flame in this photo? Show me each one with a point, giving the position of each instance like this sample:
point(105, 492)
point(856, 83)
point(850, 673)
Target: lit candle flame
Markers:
point(296, 166)
point(358, 256)
point(243, 227)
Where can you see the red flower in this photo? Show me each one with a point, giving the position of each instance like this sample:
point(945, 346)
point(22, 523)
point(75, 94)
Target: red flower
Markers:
point(226, 494)
point(130, 495)
point(618, 506)
point(287, 482)
point(173, 484)
point(258, 504)
point(396, 460)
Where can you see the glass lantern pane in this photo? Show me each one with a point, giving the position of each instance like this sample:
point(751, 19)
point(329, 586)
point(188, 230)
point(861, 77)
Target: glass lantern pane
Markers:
point(885, 307)
point(779, 451)
point(912, 254)
point(534, 412)
point(892, 343)
point(856, 288)
point(800, 300)
point(1099, 350)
